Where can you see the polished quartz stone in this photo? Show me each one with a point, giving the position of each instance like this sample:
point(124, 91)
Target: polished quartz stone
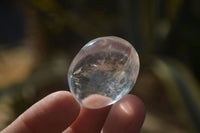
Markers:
point(103, 71)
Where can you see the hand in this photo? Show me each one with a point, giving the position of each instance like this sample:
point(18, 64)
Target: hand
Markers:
point(59, 112)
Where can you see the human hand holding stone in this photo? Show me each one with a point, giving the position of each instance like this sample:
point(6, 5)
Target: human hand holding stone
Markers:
point(59, 112)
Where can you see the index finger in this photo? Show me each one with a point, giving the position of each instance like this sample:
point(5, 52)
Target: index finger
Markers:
point(52, 114)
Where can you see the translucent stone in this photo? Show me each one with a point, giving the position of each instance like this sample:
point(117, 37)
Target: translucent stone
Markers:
point(103, 72)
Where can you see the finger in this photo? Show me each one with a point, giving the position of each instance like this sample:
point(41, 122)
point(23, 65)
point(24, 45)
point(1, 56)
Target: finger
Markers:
point(52, 114)
point(126, 116)
point(90, 120)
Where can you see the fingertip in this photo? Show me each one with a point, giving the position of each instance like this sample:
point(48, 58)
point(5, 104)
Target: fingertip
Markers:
point(127, 115)
point(89, 120)
point(53, 113)
point(64, 100)
point(133, 104)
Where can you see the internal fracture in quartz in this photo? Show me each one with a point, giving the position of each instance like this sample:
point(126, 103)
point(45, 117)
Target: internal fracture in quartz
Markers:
point(103, 72)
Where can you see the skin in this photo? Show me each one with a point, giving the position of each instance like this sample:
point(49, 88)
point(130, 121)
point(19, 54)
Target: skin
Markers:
point(59, 112)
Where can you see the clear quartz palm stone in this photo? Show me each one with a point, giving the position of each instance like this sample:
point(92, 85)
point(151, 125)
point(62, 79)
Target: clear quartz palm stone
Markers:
point(103, 71)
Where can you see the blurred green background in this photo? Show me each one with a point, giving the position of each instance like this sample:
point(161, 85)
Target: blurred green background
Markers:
point(38, 40)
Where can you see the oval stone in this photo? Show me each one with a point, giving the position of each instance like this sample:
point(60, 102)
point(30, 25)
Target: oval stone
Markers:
point(103, 71)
